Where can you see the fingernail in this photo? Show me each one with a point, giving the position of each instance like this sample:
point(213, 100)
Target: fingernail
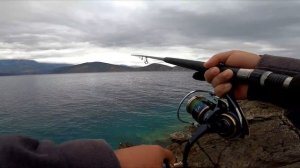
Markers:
point(215, 70)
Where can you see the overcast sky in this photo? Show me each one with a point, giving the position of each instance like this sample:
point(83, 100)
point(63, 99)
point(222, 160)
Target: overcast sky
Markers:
point(110, 31)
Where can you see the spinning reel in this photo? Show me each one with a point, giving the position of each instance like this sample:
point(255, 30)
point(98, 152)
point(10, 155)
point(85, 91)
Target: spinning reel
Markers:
point(213, 115)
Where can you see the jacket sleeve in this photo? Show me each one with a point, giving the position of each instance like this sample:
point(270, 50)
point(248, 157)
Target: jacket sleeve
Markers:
point(281, 65)
point(24, 152)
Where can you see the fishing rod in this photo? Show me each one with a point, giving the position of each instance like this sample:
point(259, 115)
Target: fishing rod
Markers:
point(241, 75)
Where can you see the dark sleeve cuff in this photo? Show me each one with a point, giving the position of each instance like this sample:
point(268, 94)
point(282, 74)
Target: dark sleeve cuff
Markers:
point(282, 65)
point(20, 151)
point(89, 154)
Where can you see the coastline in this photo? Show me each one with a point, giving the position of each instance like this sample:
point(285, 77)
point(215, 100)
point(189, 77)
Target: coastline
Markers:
point(273, 142)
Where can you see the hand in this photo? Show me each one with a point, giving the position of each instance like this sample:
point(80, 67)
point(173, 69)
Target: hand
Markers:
point(220, 80)
point(144, 156)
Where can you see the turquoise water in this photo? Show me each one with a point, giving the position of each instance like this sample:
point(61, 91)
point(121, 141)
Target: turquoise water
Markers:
point(135, 107)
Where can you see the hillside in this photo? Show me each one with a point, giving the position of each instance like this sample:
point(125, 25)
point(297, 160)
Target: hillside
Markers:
point(105, 67)
point(92, 67)
point(155, 67)
point(25, 67)
point(22, 67)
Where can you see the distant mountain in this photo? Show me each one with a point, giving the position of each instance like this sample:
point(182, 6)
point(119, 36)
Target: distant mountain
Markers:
point(105, 67)
point(92, 67)
point(155, 67)
point(22, 67)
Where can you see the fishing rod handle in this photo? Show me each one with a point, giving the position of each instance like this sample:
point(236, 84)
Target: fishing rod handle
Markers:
point(260, 77)
point(250, 76)
point(256, 77)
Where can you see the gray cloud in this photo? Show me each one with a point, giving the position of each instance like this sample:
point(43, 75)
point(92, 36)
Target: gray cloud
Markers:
point(35, 27)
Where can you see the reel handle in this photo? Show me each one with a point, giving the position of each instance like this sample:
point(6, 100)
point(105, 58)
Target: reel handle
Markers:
point(202, 129)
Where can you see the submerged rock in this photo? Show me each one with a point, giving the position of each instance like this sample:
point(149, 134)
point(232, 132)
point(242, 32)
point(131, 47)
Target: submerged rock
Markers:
point(273, 142)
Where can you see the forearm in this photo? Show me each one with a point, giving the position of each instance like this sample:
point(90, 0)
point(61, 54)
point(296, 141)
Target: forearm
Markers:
point(18, 151)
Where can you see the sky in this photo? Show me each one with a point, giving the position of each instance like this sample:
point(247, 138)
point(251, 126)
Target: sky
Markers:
point(74, 31)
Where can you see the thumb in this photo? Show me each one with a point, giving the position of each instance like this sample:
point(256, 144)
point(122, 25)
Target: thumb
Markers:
point(169, 156)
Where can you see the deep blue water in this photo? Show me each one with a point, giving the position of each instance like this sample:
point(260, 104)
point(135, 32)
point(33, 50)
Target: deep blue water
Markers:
point(136, 107)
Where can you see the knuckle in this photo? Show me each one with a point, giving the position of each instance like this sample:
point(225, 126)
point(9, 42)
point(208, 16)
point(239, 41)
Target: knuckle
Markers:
point(235, 51)
point(227, 74)
point(215, 82)
point(210, 74)
point(218, 80)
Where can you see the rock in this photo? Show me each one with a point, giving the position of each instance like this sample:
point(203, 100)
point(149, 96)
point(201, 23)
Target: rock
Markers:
point(273, 142)
point(180, 137)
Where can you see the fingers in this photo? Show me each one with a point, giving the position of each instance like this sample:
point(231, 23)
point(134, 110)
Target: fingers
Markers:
point(217, 59)
point(220, 81)
point(214, 76)
point(221, 78)
point(211, 73)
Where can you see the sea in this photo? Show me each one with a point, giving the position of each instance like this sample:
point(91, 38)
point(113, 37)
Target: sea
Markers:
point(119, 107)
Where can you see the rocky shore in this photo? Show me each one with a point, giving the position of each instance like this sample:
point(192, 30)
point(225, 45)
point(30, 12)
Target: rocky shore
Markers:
point(273, 142)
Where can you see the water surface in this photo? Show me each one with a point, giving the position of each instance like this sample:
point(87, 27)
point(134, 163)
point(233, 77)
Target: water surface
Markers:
point(136, 107)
